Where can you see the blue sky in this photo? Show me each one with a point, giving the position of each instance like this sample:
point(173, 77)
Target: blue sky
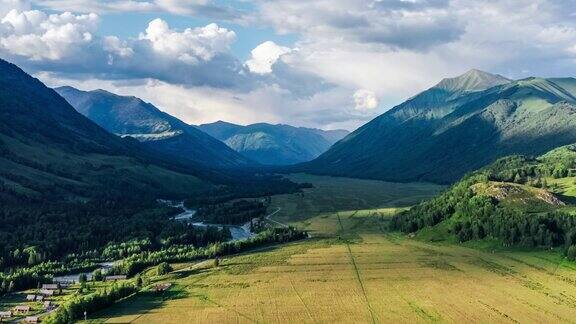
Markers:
point(127, 25)
point(323, 63)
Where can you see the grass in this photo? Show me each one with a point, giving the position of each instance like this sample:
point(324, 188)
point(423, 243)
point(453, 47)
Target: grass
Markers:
point(354, 270)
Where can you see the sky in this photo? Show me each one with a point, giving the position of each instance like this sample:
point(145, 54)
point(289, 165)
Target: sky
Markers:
point(325, 63)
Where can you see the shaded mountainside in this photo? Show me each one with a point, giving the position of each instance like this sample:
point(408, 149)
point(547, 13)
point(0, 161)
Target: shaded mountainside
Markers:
point(516, 200)
point(274, 144)
point(130, 116)
point(455, 127)
point(47, 148)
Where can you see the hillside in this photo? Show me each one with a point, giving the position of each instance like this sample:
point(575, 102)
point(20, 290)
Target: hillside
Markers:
point(516, 200)
point(274, 144)
point(130, 116)
point(47, 148)
point(68, 188)
point(457, 126)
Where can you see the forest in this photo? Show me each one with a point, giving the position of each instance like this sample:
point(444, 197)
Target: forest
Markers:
point(234, 212)
point(46, 235)
point(473, 216)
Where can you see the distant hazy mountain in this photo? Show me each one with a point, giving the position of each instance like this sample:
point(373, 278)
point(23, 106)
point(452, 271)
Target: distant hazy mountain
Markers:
point(455, 127)
point(274, 144)
point(130, 116)
point(47, 148)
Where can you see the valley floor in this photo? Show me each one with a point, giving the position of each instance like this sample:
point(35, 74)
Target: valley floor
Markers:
point(354, 270)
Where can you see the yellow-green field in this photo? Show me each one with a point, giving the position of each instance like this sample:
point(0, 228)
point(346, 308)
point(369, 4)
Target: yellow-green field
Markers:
point(354, 270)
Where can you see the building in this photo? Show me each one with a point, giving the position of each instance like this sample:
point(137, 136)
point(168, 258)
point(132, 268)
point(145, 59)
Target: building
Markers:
point(48, 305)
point(31, 319)
point(21, 309)
point(46, 292)
point(6, 314)
point(30, 297)
point(119, 277)
point(50, 286)
point(163, 287)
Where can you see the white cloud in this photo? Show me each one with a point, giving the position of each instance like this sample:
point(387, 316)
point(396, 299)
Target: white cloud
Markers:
point(204, 8)
point(399, 24)
point(197, 105)
point(365, 100)
point(191, 45)
point(38, 36)
point(69, 44)
point(8, 5)
point(264, 56)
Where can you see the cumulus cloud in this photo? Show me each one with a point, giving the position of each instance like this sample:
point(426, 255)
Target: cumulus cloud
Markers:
point(191, 45)
point(365, 100)
point(264, 56)
point(38, 36)
point(415, 25)
point(8, 5)
point(69, 44)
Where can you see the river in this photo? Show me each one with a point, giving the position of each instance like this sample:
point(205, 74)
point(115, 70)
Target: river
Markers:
point(238, 232)
point(73, 278)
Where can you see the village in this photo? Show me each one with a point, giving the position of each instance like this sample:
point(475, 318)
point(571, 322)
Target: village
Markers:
point(32, 305)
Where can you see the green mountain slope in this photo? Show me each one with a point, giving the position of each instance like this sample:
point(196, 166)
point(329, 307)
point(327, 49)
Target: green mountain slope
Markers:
point(47, 148)
point(130, 116)
point(455, 127)
point(516, 200)
point(274, 144)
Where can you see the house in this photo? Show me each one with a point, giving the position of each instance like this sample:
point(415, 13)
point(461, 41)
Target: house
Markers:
point(66, 284)
point(118, 277)
point(21, 309)
point(50, 286)
point(31, 319)
point(48, 305)
point(46, 292)
point(163, 287)
point(6, 314)
point(30, 297)
point(39, 298)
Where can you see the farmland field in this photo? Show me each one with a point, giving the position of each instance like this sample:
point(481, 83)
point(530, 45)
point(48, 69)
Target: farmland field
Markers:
point(354, 270)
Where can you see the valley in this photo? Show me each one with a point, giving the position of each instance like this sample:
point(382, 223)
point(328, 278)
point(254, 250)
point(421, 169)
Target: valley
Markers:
point(115, 211)
point(259, 161)
point(355, 269)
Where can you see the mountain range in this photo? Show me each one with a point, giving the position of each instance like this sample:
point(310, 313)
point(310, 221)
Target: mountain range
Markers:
point(130, 116)
point(274, 144)
point(457, 126)
point(48, 148)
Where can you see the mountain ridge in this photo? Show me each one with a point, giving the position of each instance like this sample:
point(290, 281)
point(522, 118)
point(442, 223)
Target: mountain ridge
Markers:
point(439, 135)
point(131, 116)
point(278, 144)
point(47, 148)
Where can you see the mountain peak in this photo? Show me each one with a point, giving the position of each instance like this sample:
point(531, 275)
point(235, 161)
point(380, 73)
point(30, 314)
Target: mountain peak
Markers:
point(473, 80)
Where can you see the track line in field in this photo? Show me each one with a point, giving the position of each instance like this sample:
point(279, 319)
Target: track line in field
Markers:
point(499, 312)
point(302, 301)
point(357, 272)
point(190, 286)
point(232, 309)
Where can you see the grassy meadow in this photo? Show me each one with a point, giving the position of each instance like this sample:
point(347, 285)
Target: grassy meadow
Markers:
point(353, 269)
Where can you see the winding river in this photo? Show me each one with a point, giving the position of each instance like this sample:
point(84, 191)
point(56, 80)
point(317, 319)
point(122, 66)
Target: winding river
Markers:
point(238, 232)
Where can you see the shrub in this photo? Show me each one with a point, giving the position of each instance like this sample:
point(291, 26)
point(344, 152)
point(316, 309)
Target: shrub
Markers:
point(163, 268)
point(571, 254)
